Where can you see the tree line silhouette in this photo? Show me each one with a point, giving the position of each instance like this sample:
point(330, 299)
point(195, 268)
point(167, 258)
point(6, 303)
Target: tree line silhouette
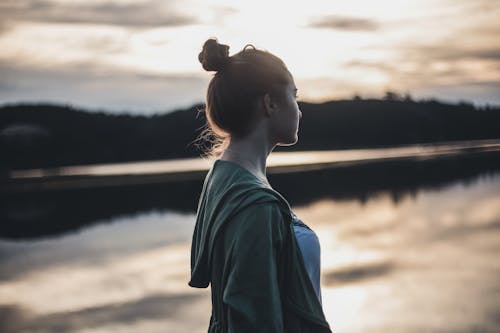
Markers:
point(50, 135)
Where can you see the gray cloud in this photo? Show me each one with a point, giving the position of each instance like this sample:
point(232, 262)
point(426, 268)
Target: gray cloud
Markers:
point(422, 71)
point(418, 67)
point(344, 23)
point(4, 27)
point(450, 52)
point(96, 87)
point(142, 15)
point(452, 84)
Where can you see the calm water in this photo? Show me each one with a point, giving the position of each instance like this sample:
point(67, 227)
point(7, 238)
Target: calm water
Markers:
point(276, 159)
point(428, 263)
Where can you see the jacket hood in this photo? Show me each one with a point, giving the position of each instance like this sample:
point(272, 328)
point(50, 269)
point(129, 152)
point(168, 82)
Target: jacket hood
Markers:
point(236, 189)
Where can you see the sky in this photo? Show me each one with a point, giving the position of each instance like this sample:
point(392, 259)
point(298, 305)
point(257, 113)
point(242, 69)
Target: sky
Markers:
point(141, 57)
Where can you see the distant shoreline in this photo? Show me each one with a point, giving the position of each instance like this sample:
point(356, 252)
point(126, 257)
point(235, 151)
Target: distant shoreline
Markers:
point(48, 136)
point(179, 170)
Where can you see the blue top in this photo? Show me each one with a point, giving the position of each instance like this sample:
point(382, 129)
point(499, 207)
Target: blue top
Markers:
point(310, 249)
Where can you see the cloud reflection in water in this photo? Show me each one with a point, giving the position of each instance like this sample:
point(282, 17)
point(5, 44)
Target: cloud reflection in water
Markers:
point(428, 262)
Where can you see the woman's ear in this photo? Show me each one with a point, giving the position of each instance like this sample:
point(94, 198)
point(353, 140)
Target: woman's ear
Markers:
point(270, 106)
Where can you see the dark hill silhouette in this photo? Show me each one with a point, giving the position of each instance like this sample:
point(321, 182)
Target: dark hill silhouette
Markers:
point(46, 135)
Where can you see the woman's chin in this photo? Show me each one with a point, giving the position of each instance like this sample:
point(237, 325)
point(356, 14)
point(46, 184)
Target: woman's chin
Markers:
point(289, 142)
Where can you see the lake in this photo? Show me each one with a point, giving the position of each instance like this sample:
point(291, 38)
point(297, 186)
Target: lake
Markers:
point(406, 247)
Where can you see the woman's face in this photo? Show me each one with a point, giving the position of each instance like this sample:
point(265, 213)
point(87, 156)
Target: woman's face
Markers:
point(285, 122)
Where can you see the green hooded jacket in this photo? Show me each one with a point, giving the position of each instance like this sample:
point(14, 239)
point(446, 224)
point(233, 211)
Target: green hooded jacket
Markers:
point(244, 246)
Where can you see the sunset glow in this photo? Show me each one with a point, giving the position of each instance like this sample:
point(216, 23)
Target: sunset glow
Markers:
point(142, 55)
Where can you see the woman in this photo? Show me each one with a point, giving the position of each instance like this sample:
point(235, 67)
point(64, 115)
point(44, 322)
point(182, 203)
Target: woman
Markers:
point(261, 261)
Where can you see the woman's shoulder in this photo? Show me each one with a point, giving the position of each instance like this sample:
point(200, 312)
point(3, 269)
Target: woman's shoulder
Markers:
point(255, 220)
point(261, 212)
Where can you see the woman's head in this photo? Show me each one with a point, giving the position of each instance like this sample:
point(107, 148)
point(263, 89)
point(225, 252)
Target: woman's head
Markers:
point(240, 83)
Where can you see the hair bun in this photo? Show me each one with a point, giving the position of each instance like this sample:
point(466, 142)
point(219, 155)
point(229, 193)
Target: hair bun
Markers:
point(214, 56)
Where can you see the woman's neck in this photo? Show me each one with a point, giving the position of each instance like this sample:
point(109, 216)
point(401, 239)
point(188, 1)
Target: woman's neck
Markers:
point(249, 153)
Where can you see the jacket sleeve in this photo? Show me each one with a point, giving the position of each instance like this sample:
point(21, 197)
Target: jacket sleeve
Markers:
point(252, 292)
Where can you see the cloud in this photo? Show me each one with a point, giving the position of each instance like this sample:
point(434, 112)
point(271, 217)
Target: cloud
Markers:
point(102, 44)
point(440, 74)
point(222, 11)
point(478, 5)
point(465, 61)
point(453, 83)
point(4, 27)
point(344, 23)
point(450, 52)
point(11, 316)
point(142, 15)
point(94, 86)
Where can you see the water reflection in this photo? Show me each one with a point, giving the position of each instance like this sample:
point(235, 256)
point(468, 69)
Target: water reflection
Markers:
point(45, 214)
point(427, 262)
point(109, 277)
